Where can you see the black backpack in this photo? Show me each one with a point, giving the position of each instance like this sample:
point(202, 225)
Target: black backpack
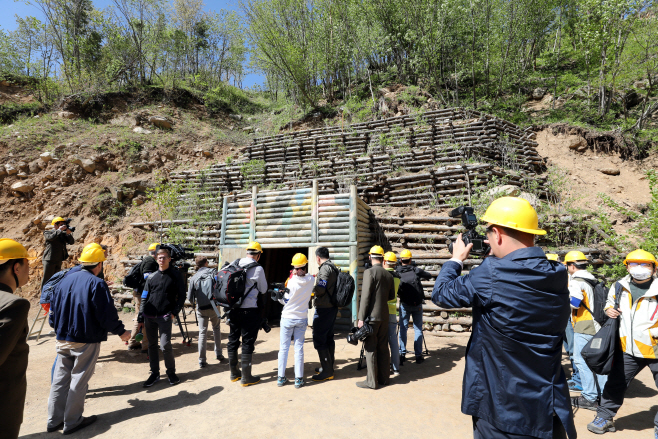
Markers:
point(49, 288)
point(600, 298)
point(410, 291)
point(134, 279)
point(599, 352)
point(232, 284)
point(344, 292)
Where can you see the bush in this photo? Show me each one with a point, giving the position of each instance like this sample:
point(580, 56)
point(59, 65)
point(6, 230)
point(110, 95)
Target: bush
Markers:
point(225, 98)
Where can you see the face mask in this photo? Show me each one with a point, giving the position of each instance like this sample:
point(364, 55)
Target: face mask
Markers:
point(640, 273)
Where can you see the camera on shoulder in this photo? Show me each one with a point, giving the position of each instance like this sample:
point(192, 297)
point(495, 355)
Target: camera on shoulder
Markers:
point(470, 222)
point(277, 291)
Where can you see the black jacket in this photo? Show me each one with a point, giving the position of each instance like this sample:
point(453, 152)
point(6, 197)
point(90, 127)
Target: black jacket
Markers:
point(148, 265)
point(56, 241)
point(164, 293)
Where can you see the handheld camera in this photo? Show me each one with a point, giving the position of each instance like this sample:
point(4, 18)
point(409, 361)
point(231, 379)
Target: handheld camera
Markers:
point(277, 291)
point(68, 224)
point(470, 222)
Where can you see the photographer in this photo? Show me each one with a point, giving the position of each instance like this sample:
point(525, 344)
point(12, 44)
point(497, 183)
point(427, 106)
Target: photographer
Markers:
point(520, 304)
point(294, 319)
point(325, 314)
point(147, 266)
point(162, 298)
point(55, 252)
point(244, 322)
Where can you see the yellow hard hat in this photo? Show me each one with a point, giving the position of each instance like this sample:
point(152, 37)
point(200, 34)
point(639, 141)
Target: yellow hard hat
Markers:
point(92, 254)
point(574, 256)
point(552, 257)
point(58, 219)
point(405, 254)
point(513, 213)
point(390, 257)
point(153, 246)
point(639, 256)
point(299, 260)
point(10, 249)
point(255, 246)
point(377, 250)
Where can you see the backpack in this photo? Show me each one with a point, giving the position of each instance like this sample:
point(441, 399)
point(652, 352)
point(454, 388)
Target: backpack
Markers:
point(410, 291)
point(600, 298)
point(232, 284)
point(49, 288)
point(344, 292)
point(599, 352)
point(206, 283)
point(134, 279)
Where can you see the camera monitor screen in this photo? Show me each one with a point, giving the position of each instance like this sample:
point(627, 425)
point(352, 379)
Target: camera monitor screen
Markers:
point(472, 219)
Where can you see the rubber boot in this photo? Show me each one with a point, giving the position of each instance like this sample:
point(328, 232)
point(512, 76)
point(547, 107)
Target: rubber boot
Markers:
point(332, 350)
point(327, 368)
point(247, 378)
point(233, 363)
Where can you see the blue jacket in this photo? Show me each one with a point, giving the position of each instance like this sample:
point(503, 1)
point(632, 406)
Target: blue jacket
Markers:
point(82, 310)
point(513, 377)
point(49, 288)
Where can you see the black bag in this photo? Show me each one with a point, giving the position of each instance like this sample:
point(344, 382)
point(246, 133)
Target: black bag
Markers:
point(344, 292)
point(232, 284)
point(134, 278)
point(599, 352)
point(410, 291)
point(600, 298)
point(49, 288)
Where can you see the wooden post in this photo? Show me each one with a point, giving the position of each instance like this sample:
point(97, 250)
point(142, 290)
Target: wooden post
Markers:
point(353, 212)
point(224, 213)
point(354, 271)
point(353, 252)
point(314, 212)
point(252, 215)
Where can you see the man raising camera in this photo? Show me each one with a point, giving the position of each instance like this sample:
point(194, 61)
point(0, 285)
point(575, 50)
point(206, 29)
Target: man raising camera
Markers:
point(520, 306)
point(55, 252)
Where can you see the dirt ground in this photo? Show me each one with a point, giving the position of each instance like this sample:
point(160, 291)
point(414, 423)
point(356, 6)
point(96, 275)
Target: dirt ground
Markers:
point(424, 401)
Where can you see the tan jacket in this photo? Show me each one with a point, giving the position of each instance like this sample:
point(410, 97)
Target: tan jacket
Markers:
point(377, 289)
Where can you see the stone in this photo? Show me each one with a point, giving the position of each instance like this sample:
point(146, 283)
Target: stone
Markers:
point(116, 193)
point(34, 167)
point(445, 327)
point(10, 169)
point(457, 328)
point(22, 174)
point(36, 220)
point(538, 93)
point(235, 116)
point(141, 130)
point(610, 171)
point(160, 122)
point(46, 156)
point(41, 164)
point(76, 160)
point(139, 200)
point(66, 115)
point(504, 190)
point(88, 165)
point(248, 129)
point(530, 198)
point(23, 166)
point(22, 186)
point(50, 189)
point(576, 142)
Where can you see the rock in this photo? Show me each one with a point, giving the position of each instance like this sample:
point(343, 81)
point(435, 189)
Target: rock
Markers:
point(457, 328)
point(235, 116)
point(445, 327)
point(50, 189)
point(22, 174)
point(116, 193)
point(88, 165)
point(37, 220)
point(23, 166)
point(141, 130)
point(66, 115)
point(76, 160)
point(22, 186)
point(34, 167)
point(41, 164)
point(139, 200)
point(530, 198)
point(10, 169)
point(160, 122)
point(3, 172)
point(538, 93)
point(575, 142)
point(610, 171)
point(248, 129)
point(46, 156)
point(505, 190)
point(97, 158)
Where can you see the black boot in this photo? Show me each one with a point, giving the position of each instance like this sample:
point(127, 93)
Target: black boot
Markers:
point(233, 363)
point(247, 378)
point(327, 368)
point(332, 350)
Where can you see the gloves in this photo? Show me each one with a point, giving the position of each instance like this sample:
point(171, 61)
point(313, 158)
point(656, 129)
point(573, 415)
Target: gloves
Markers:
point(140, 318)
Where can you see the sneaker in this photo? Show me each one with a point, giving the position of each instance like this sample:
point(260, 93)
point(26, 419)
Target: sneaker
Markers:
point(299, 382)
point(202, 365)
point(600, 426)
point(221, 358)
point(581, 402)
point(173, 378)
point(420, 359)
point(574, 387)
point(396, 373)
point(281, 381)
point(154, 378)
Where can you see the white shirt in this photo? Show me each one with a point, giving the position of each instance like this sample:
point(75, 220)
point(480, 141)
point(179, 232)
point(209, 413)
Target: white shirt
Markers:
point(295, 303)
point(255, 276)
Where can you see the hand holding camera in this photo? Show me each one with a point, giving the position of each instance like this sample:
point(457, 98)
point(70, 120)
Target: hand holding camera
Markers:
point(469, 241)
point(278, 291)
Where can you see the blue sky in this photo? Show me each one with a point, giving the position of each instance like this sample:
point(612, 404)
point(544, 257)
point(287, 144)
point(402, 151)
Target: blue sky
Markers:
point(8, 21)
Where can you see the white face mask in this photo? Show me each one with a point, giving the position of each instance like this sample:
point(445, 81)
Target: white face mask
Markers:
point(640, 273)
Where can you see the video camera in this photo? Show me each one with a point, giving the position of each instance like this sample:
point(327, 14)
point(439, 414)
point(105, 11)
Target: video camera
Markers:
point(277, 291)
point(470, 222)
point(359, 334)
point(177, 252)
point(68, 224)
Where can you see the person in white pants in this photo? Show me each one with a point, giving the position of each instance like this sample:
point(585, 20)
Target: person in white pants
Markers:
point(294, 318)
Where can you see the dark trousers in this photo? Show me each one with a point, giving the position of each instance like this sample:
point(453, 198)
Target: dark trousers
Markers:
point(243, 323)
point(378, 357)
point(323, 328)
point(50, 268)
point(159, 328)
point(484, 430)
point(624, 369)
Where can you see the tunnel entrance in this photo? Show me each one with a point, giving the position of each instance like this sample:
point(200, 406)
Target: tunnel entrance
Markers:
point(276, 263)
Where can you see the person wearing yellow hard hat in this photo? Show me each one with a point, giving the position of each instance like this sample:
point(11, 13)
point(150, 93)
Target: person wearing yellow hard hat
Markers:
point(553, 257)
point(520, 303)
point(14, 273)
point(390, 261)
point(583, 303)
point(147, 266)
point(633, 300)
point(55, 252)
point(294, 318)
point(412, 297)
point(377, 289)
point(82, 313)
point(325, 315)
point(249, 317)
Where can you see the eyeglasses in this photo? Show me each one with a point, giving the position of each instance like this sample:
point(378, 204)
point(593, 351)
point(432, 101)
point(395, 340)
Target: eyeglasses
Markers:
point(640, 264)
